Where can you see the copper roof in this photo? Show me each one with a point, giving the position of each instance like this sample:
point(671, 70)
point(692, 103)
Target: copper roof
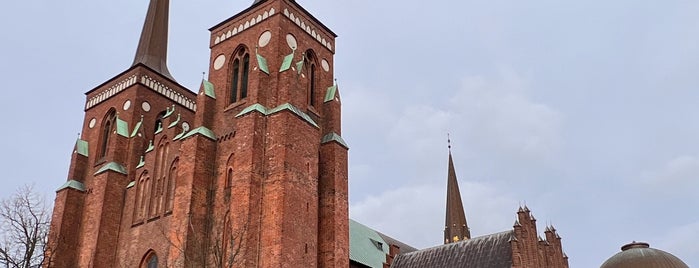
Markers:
point(489, 251)
point(152, 47)
point(640, 255)
point(455, 226)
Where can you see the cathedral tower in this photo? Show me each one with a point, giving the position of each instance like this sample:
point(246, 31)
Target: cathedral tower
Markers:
point(278, 112)
point(249, 172)
point(455, 226)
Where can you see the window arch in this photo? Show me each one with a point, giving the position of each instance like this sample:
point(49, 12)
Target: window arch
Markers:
point(150, 260)
point(240, 72)
point(108, 125)
point(228, 182)
point(159, 122)
point(171, 182)
point(161, 174)
point(141, 199)
point(312, 77)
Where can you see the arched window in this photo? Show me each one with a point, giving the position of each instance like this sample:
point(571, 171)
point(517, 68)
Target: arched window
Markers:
point(159, 121)
point(171, 180)
point(153, 262)
point(107, 128)
point(145, 197)
point(161, 174)
point(312, 77)
point(140, 190)
point(239, 75)
point(150, 261)
point(312, 87)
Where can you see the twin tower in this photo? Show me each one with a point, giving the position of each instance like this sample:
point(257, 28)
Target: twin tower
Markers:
point(251, 171)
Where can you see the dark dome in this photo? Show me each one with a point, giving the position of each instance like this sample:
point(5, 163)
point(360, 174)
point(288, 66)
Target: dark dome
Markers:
point(640, 255)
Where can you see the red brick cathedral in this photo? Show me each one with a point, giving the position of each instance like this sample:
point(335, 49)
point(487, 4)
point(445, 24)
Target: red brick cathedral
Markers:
point(251, 171)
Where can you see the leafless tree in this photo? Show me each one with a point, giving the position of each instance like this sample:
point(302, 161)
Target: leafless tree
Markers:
point(24, 223)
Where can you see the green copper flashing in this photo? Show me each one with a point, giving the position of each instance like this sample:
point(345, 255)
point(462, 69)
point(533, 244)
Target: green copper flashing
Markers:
point(334, 137)
point(112, 166)
point(262, 63)
point(72, 184)
point(173, 124)
point(150, 146)
point(160, 128)
point(179, 136)
point(131, 185)
point(330, 94)
point(209, 89)
point(81, 147)
point(141, 163)
point(299, 65)
point(286, 64)
point(202, 131)
point(255, 107)
point(137, 127)
point(122, 128)
point(293, 109)
point(286, 106)
point(169, 112)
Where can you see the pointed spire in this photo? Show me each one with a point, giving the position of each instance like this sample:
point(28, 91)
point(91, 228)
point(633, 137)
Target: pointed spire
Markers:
point(456, 226)
point(152, 47)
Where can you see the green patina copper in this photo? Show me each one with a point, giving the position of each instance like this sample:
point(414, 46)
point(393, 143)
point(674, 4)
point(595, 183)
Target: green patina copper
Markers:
point(150, 146)
point(137, 127)
point(72, 184)
point(255, 107)
point(201, 131)
point(209, 89)
point(122, 128)
point(160, 128)
point(179, 136)
point(286, 106)
point(131, 185)
point(262, 63)
point(286, 63)
point(81, 147)
point(366, 245)
point(141, 162)
point(334, 137)
point(173, 124)
point(169, 112)
point(330, 94)
point(293, 109)
point(299, 65)
point(112, 166)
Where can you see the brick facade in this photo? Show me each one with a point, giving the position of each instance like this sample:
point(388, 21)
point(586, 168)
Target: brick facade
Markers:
point(199, 180)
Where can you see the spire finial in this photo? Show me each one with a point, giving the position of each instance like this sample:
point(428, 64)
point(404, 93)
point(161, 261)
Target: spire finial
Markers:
point(203, 75)
point(449, 142)
point(152, 47)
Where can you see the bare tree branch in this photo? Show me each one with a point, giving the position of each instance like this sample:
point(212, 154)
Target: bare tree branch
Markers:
point(24, 222)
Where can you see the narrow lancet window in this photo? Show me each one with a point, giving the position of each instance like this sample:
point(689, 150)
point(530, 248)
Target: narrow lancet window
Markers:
point(246, 72)
point(234, 80)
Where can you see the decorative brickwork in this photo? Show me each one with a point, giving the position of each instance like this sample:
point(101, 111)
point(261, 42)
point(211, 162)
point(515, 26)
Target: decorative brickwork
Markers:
point(187, 180)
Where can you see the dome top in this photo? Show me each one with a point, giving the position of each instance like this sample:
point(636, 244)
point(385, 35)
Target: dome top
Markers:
point(641, 255)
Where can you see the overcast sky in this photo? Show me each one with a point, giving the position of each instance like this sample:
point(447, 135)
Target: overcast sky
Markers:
point(585, 111)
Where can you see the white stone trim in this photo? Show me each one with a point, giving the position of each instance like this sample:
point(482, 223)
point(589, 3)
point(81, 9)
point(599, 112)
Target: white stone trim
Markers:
point(107, 93)
point(149, 83)
point(234, 30)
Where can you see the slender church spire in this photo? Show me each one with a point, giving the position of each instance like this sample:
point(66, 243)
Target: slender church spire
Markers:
point(152, 48)
point(456, 228)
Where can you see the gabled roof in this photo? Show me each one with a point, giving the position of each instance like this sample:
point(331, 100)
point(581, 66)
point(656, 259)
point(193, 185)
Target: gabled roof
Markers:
point(369, 247)
point(489, 251)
